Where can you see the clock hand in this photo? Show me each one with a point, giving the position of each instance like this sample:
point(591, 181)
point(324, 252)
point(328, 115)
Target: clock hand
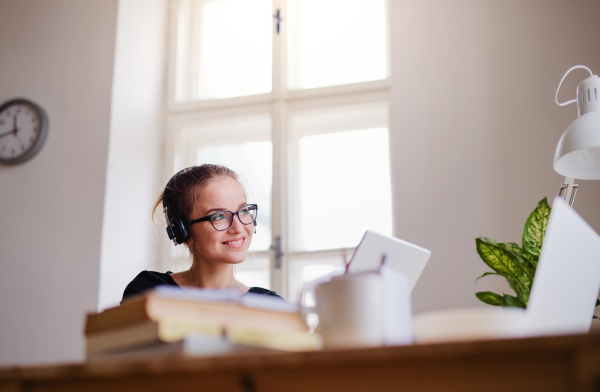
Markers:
point(13, 131)
point(7, 133)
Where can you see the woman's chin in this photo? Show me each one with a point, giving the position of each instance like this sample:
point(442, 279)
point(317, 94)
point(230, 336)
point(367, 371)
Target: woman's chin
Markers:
point(235, 259)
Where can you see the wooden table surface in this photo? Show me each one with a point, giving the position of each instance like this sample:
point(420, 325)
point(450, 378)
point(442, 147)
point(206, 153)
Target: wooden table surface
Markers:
point(563, 363)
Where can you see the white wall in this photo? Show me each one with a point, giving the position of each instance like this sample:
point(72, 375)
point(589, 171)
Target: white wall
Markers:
point(474, 127)
point(58, 53)
point(134, 166)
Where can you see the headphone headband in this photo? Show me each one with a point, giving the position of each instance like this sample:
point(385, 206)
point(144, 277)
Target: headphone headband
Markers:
point(166, 191)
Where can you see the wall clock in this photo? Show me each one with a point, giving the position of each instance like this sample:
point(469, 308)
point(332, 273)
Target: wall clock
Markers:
point(23, 131)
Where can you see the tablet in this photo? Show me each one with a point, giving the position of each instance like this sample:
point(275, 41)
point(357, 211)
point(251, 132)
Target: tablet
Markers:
point(403, 257)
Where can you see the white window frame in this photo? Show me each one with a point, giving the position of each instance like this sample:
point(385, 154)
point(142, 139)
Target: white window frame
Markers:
point(279, 103)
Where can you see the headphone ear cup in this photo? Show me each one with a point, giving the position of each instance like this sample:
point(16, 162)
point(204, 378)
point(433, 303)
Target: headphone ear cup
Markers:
point(180, 231)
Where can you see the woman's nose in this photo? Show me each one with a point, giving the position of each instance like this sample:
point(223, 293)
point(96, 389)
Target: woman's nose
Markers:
point(236, 226)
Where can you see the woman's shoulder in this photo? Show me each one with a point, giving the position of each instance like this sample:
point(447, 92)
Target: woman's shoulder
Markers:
point(147, 280)
point(260, 290)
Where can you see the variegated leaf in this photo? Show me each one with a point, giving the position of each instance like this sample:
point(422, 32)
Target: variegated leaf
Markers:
point(521, 290)
point(535, 228)
point(525, 257)
point(498, 258)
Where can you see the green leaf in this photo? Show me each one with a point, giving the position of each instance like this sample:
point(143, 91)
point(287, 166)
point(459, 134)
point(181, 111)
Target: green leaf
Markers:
point(524, 257)
point(508, 301)
point(486, 274)
point(489, 298)
point(598, 302)
point(535, 228)
point(499, 258)
point(519, 255)
point(521, 290)
point(595, 317)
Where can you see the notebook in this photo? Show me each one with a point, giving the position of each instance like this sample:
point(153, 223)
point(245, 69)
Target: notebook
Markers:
point(401, 256)
point(567, 280)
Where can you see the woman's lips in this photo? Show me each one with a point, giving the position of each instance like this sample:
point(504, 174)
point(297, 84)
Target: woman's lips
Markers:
point(236, 243)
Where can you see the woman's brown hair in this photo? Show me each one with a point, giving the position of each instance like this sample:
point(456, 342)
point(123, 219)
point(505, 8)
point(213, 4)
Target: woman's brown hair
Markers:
point(183, 189)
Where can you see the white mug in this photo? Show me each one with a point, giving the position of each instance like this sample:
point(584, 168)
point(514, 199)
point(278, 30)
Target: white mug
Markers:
point(351, 310)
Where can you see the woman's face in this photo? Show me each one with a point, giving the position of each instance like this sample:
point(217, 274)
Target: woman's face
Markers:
point(228, 246)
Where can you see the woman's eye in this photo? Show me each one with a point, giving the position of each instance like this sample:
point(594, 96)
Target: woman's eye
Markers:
point(244, 211)
point(218, 217)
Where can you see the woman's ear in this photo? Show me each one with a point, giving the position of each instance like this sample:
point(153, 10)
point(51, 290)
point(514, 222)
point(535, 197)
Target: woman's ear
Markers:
point(189, 242)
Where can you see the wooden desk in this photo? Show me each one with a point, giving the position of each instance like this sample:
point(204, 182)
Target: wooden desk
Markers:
point(566, 363)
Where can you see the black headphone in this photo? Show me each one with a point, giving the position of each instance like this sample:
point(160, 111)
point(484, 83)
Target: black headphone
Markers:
point(176, 227)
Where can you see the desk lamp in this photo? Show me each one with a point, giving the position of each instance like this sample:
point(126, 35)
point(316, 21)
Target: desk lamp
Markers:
point(578, 151)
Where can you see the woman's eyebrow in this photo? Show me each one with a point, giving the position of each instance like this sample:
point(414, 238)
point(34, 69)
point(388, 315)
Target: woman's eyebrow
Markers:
point(225, 209)
point(216, 209)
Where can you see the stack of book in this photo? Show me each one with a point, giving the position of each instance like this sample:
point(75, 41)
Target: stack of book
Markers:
point(196, 322)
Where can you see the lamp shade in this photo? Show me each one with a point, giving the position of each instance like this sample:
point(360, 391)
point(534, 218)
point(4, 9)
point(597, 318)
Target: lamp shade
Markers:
point(578, 151)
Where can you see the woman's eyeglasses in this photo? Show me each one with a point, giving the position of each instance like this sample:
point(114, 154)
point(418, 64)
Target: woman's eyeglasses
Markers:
point(222, 220)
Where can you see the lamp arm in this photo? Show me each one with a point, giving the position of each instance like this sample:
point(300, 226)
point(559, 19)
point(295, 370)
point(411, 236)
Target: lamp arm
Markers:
point(561, 81)
point(568, 190)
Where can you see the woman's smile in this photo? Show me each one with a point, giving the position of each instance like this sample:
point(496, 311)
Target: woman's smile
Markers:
point(236, 243)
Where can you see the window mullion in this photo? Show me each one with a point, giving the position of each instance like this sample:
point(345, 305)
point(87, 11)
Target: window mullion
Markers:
point(279, 198)
point(282, 77)
point(279, 270)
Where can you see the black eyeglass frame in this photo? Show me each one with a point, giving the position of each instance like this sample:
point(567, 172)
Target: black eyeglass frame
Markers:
point(209, 217)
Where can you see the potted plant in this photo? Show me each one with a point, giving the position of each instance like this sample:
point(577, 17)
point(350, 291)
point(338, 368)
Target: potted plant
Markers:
point(517, 264)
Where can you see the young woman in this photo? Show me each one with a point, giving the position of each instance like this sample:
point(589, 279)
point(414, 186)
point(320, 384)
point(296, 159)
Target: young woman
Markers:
point(206, 209)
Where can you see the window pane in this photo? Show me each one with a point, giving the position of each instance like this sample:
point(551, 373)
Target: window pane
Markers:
point(344, 188)
point(254, 272)
point(333, 42)
point(230, 48)
point(253, 161)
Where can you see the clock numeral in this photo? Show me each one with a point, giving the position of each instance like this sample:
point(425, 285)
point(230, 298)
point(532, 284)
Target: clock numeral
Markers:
point(3, 148)
point(18, 110)
point(12, 151)
point(31, 140)
point(1, 122)
point(22, 148)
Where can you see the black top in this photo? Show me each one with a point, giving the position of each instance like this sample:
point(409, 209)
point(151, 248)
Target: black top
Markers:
point(147, 280)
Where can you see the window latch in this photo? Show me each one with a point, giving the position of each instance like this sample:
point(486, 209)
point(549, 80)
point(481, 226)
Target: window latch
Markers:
point(276, 248)
point(279, 19)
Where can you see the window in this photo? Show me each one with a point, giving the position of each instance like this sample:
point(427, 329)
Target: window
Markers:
point(294, 96)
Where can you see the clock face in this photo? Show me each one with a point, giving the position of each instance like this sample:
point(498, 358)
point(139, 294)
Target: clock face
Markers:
point(23, 131)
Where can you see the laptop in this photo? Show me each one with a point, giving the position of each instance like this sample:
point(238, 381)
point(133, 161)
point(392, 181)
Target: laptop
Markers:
point(567, 280)
point(562, 299)
point(401, 256)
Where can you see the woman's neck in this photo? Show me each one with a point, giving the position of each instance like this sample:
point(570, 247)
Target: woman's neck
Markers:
point(207, 275)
